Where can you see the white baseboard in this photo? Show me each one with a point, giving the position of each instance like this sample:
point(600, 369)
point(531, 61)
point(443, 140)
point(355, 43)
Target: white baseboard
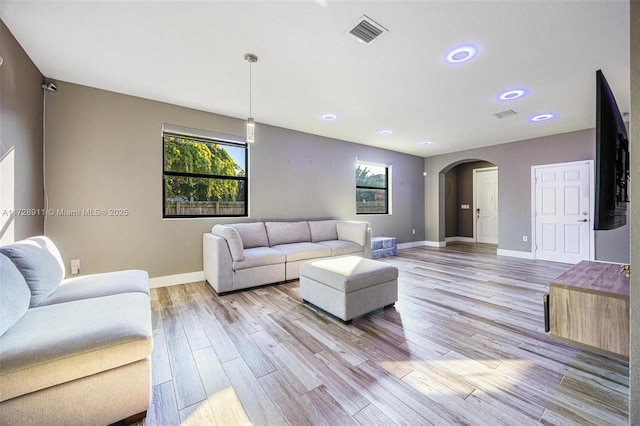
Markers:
point(460, 240)
point(515, 253)
point(169, 280)
point(412, 244)
point(435, 243)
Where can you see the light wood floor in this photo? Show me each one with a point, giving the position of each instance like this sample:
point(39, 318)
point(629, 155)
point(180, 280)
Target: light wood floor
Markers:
point(465, 344)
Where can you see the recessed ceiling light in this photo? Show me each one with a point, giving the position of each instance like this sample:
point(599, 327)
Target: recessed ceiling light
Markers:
point(385, 132)
point(426, 143)
point(542, 117)
point(511, 94)
point(329, 117)
point(461, 54)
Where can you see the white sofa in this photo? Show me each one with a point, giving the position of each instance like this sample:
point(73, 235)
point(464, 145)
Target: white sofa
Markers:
point(243, 255)
point(74, 351)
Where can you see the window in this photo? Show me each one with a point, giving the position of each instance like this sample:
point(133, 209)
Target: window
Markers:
point(372, 188)
point(204, 174)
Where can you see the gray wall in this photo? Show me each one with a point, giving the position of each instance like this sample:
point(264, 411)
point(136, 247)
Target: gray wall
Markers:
point(20, 141)
point(104, 150)
point(514, 161)
point(634, 136)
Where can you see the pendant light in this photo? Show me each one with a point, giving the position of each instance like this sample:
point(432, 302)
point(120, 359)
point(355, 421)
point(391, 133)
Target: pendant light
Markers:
point(251, 129)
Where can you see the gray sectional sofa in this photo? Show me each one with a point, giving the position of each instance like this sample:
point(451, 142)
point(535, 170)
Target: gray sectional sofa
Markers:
point(74, 351)
point(243, 255)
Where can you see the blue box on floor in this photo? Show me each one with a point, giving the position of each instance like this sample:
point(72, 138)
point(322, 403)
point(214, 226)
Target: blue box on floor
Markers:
point(383, 247)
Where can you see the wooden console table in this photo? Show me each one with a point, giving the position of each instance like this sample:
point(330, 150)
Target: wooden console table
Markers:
point(589, 307)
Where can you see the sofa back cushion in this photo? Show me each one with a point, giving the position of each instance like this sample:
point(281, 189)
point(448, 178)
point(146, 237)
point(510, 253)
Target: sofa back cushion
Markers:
point(233, 240)
point(287, 232)
point(40, 263)
point(323, 230)
point(252, 234)
point(353, 231)
point(14, 294)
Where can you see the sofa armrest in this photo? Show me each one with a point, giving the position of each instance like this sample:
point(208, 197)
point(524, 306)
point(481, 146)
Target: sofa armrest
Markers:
point(367, 245)
point(217, 262)
point(357, 232)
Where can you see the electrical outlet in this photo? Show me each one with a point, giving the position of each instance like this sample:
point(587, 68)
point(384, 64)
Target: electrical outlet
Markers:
point(525, 238)
point(75, 266)
point(413, 231)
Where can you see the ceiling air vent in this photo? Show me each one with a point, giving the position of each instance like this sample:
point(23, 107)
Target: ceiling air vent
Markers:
point(505, 114)
point(367, 30)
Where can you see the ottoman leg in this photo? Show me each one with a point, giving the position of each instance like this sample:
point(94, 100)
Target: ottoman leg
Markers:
point(389, 306)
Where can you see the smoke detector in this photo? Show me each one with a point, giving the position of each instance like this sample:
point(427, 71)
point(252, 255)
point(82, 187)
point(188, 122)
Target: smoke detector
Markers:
point(505, 114)
point(366, 30)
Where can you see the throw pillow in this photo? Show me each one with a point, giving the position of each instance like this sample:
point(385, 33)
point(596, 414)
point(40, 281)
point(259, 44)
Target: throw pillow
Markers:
point(14, 294)
point(253, 234)
point(40, 263)
point(233, 240)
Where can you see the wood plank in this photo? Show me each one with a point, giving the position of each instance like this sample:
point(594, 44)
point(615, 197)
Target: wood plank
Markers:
point(251, 353)
point(258, 406)
point(163, 409)
point(371, 415)
point(326, 410)
point(186, 379)
point(160, 366)
point(197, 414)
point(287, 399)
point(225, 405)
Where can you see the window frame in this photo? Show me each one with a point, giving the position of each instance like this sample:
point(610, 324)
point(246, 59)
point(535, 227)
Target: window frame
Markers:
point(388, 175)
point(204, 137)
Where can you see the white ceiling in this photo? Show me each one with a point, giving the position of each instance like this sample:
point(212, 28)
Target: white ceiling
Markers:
point(191, 54)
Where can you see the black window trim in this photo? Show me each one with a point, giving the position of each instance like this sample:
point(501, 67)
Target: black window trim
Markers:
point(205, 136)
point(387, 169)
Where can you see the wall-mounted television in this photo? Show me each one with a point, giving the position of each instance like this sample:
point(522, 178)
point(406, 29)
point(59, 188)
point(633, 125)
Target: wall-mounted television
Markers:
point(612, 160)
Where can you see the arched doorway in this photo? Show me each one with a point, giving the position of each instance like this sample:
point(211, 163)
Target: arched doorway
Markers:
point(470, 202)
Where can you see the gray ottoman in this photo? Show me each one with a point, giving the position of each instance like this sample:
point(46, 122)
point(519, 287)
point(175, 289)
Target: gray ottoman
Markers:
point(348, 286)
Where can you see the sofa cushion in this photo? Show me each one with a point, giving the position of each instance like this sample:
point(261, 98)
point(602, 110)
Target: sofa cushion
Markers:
point(302, 251)
point(67, 341)
point(252, 234)
point(342, 247)
point(99, 285)
point(353, 231)
point(287, 232)
point(234, 241)
point(39, 261)
point(259, 256)
point(323, 230)
point(14, 294)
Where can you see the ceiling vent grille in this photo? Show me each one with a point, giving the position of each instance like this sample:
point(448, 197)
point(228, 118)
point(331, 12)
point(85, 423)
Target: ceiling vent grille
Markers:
point(505, 114)
point(367, 30)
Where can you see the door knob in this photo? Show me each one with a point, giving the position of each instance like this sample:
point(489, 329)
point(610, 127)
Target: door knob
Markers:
point(582, 220)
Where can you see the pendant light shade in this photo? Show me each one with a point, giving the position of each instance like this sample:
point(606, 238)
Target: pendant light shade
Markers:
point(251, 130)
point(251, 127)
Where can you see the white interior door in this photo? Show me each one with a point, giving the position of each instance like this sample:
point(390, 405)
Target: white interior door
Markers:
point(486, 205)
point(563, 212)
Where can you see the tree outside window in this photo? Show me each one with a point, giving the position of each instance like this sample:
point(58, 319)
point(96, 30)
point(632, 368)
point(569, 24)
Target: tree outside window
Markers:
point(203, 178)
point(372, 189)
